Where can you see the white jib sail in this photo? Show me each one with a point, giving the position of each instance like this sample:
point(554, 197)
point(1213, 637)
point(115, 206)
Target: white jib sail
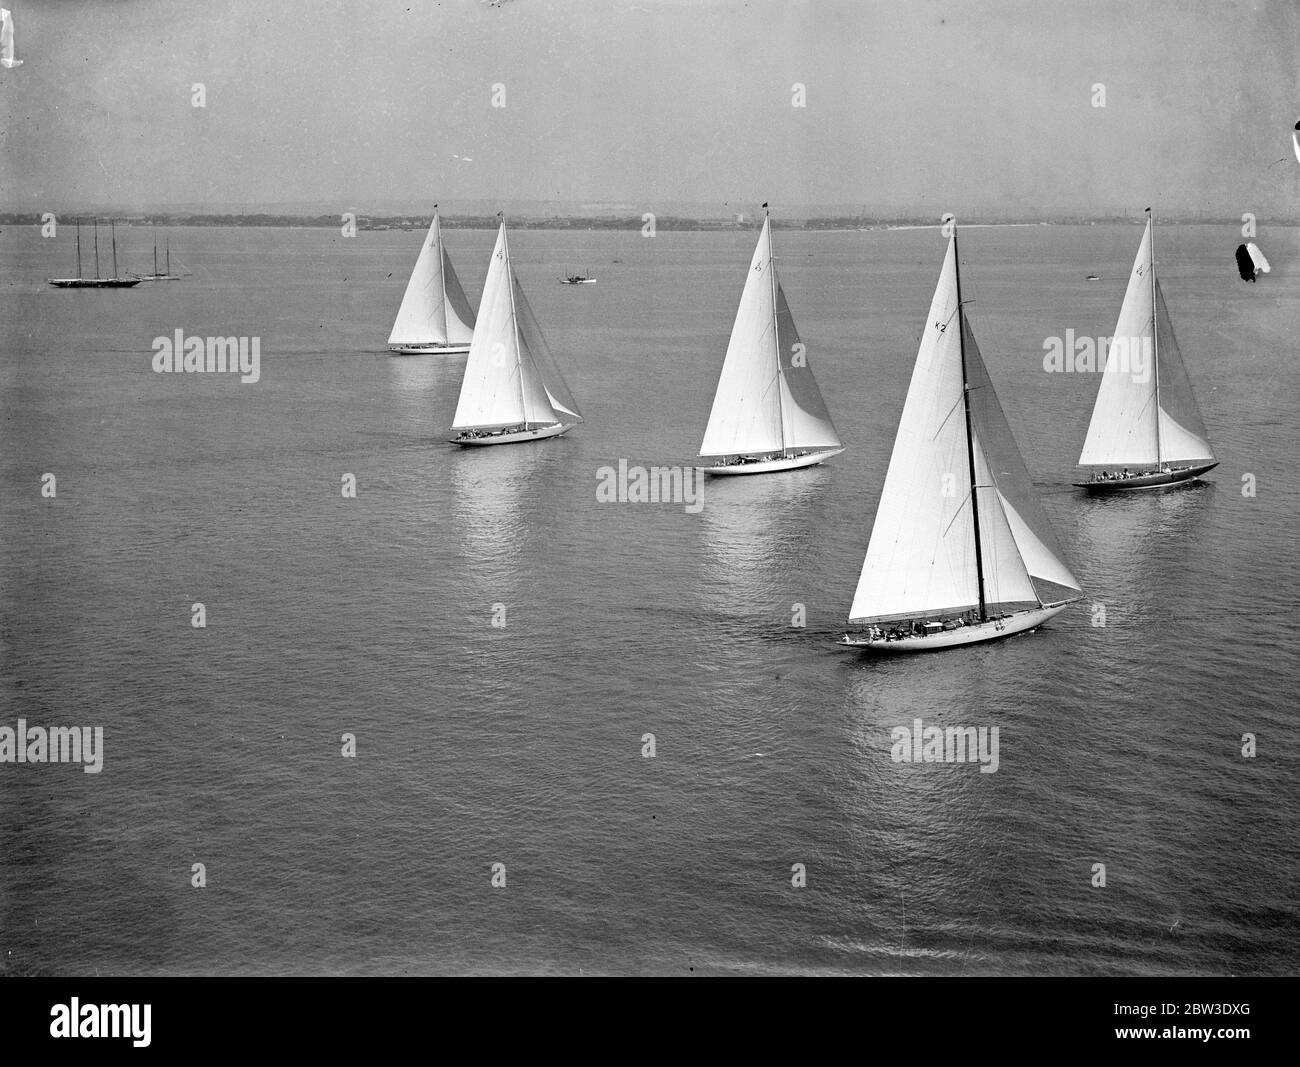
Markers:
point(921, 558)
point(501, 386)
point(807, 423)
point(1006, 578)
point(746, 415)
point(539, 353)
point(1039, 560)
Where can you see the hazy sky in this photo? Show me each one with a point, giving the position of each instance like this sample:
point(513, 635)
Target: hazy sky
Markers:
point(966, 105)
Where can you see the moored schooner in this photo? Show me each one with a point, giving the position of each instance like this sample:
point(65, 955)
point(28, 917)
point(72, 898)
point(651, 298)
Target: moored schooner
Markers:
point(768, 414)
point(1146, 430)
point(435, 316)
point(960, 550)
point(97, 282)
point(512, 389)
point(166, 274)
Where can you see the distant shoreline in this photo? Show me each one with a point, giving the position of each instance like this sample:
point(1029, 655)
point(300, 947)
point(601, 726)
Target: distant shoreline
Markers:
point(380, 223)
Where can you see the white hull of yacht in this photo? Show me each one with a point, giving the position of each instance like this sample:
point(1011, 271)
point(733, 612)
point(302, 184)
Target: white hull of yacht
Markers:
point(535, 434)
point(783, 463)
point(430, 349)
point(1020, 622)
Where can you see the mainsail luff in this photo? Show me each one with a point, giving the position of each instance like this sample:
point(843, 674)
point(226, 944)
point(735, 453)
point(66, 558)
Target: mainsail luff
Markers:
point(1155, 332)
point(766, 238)
point(519, 347)
point(970, 438)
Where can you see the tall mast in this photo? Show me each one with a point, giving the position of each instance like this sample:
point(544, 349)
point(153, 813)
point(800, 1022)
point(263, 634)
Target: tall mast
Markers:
point(169, 255)
point(96, 246)
point(1155, 335)
point(970, 440)
point(78, 247)
point(776, 333)
point(514, 317)
point(155, 252)
point(112, 229)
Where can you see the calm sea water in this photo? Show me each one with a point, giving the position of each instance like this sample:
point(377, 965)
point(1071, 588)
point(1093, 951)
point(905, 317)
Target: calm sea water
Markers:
point(522, 745)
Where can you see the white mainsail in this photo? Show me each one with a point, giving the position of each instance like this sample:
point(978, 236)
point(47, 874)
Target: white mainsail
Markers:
point(434, 310)
point(922, 552)
point(767, 399)
point(1132, 422)
point(923, 558)
point(503, 385)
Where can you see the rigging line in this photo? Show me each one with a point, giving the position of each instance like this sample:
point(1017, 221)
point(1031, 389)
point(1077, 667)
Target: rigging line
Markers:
point(945, 420)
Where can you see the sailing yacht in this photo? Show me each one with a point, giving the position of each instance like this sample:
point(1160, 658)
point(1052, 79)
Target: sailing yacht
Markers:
point(434, 315)
point(512, 389)
point(97, 282)
point(165, 275)
point(768, 414)
point(1146, 430)
point(961, 550)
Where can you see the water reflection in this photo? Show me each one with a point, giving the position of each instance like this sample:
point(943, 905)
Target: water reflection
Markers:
point(1130, 547)
point(422, 391)
point(757, 530)
point(489, 522)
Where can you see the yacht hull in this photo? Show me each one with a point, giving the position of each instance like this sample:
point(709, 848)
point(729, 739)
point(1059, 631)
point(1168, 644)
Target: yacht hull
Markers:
point(94, 283)
point(785, 463)
point(1020, 622)
point(430, 350)
point(1159, 480)
point(535, 434)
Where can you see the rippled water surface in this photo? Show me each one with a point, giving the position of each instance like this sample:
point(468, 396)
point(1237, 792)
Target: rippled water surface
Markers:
point(1119, 744)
